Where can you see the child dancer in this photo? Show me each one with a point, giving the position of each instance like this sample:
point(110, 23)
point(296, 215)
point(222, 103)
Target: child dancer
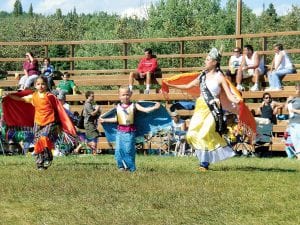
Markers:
point(125, 138)
point(48, 111)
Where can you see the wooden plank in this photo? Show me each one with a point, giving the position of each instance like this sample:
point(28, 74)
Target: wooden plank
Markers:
point(275, 94)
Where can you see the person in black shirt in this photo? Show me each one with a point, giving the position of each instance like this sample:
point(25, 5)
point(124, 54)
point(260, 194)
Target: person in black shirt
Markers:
point(269, 108)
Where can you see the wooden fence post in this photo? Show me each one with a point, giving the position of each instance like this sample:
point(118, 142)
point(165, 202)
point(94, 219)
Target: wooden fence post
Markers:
point(125, 53)
point(238, 25)
point(72, 54)
point(46, 51)
point(181, 49)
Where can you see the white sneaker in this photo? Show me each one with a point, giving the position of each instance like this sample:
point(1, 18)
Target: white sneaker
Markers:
point(273, 89)
point(269, 89)
point(240, 87)
point(254, 88)
point(147, 92)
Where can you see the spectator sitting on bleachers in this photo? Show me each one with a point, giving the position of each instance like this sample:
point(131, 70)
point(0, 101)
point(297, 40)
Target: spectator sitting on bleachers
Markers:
point(146, 69)
point(269, 108)
point(234, 63)
point(62, 98)
point(31, 71)
point(281, 65)
point(252, 66)
point(47, 70)
point(66, 86)
point(178, 132)
point(74, 116)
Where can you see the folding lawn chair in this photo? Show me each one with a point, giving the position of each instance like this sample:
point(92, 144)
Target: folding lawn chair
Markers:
point(264, 135)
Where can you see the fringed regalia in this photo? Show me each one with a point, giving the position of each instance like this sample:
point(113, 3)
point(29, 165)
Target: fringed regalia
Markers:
point(204, 129)
point(125, 138)
point(43, 122)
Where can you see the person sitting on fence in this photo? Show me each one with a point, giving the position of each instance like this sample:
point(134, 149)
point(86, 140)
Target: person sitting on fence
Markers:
point(178, 132)
point(66, 86)
point(234, 63)
point(31, 71)
point(252, 66)
point(281, 65)
point(47, 70)
point(146, 70)
point(269, 108)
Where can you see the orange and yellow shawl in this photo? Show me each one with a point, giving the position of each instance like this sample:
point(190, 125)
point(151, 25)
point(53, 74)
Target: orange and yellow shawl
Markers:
point(246, 119)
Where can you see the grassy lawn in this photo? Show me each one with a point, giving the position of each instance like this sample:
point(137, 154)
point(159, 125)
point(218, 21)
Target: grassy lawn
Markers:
point(163, 190)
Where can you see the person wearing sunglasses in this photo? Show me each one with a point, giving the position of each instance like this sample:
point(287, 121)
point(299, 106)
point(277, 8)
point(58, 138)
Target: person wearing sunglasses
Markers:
point(269, 108)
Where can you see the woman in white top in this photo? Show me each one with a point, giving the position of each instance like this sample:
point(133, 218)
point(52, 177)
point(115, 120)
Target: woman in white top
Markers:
point(205, 129)
point(281, 65)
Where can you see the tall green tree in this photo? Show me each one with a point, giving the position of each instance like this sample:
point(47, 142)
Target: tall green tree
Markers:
point(30, 11)
point(18, 9)
point(269, 20)
point(58, 13)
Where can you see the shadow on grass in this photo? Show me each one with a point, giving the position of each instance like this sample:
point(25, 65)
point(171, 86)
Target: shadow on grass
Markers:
point(92, 163)
point(252, 168)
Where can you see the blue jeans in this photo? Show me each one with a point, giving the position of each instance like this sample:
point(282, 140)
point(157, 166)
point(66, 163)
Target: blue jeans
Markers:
point(276, 76)
point(125, 150)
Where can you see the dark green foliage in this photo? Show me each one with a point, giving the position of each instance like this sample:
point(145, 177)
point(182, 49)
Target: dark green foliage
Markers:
point(166, 18)
point(30, 11)
point(18, 9)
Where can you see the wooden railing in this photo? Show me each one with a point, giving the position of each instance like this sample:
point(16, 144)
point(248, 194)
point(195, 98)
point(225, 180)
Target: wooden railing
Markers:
point(182, 55)
point(119, 76)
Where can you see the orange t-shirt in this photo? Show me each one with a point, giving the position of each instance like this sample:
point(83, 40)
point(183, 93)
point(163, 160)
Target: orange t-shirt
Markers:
point(44, 111)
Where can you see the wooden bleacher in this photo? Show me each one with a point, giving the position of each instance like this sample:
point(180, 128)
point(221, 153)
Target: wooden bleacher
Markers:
point(102, 79)
point(109, 97)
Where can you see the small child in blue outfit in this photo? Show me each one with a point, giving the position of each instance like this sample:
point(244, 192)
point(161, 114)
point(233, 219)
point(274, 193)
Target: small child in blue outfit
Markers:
point(125, 138)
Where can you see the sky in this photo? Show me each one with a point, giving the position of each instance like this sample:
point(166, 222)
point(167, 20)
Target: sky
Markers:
point(125, 7)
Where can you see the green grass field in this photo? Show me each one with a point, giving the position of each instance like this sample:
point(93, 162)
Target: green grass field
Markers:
point(163, 190)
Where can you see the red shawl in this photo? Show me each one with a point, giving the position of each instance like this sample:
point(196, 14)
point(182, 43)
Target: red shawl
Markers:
point(21, 114)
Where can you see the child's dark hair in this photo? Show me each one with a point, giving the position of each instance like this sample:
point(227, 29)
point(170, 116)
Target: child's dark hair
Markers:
point(30, 53)
point(149, 50)
point(66, 74)
point(88, 93)
point(266, 94)
point(249, 47)
point(43, 78)
point(46, 58)
point(279, 46)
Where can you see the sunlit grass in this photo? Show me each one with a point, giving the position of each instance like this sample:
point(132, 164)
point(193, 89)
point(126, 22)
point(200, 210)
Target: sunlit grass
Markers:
point(163, 190)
